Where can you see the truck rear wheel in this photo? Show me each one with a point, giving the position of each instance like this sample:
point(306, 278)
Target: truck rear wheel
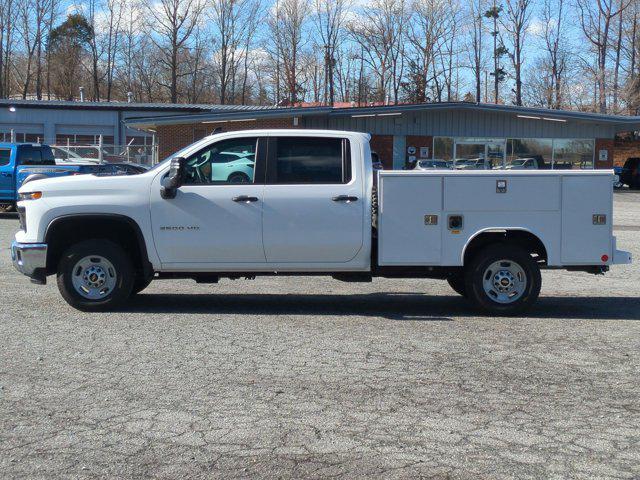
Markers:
point(95, 275)
point(503, 279)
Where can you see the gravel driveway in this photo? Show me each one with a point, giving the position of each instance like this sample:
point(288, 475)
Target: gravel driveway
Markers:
point(310, 377)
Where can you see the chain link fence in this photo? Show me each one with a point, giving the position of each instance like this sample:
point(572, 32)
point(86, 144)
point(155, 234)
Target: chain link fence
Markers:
point(101, 153)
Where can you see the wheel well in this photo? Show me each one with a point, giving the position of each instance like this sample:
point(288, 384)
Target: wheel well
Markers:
point(522, 238)
point(65, 231)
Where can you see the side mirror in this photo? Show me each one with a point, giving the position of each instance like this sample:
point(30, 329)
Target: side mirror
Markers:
point(174, 179)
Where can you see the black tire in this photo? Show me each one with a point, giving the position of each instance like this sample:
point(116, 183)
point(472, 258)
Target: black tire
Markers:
point(123, 277)
point(457, 282)
point(238, 177)
point(140, 283)
point(478, 268)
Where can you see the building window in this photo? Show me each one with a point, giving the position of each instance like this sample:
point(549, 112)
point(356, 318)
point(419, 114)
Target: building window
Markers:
point(83, 140)
point(529, 153)
point(573, 153)
point(443, 148)
point(22, 137)
point(140, 140)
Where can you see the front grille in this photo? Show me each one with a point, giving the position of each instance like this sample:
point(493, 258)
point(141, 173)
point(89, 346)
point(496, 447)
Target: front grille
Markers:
point(22, 218)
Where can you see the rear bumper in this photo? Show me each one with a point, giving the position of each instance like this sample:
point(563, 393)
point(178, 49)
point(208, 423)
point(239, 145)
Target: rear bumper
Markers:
point(30, 259)
point(620, 257)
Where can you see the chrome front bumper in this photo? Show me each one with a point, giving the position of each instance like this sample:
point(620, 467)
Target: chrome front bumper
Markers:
point(30, 259)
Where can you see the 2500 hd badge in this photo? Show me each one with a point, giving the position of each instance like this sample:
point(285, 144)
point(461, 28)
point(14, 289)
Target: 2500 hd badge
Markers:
point(174, 228)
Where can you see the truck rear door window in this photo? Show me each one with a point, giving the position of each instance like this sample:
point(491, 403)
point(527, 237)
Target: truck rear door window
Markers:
point(309, 160)
point(30, 155)
point(5, 156)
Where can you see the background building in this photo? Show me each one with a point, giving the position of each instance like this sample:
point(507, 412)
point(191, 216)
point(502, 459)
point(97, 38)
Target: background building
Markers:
point(80, 122)
point(405, 133)
point(400, 133)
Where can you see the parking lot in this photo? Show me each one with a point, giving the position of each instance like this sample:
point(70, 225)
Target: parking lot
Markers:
point(310, 377)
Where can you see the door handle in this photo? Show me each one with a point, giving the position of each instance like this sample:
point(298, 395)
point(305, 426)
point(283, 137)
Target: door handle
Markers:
point(344, 198)
point(245, 199)
point(6, 174)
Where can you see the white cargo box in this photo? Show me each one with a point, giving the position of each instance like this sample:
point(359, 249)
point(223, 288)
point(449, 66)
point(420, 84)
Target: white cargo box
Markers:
point(569, 211)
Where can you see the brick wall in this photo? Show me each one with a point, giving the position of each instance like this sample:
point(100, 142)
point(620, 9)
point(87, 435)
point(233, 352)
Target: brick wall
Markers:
point(608, 145)
point(172, 138)
point(624, 149)
point(419, 141)
point(383, 146)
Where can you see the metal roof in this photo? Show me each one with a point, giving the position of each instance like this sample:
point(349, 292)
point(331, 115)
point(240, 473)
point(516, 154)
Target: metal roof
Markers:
point(66, 104)
point(619, 122)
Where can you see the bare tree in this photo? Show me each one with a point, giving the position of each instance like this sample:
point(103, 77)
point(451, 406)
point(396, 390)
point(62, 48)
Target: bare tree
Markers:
point(7, 28)
point(553, 20)
point(254, 18)
point(330, 19)
point(173, 23)
point(286, 27)
point(380, 33)
point(596, 17)
point(130, 41)
point(34, 16)
point(111, 40)
point(428, 33)
point(516, 23)
point(231, 20)
point(475, 47)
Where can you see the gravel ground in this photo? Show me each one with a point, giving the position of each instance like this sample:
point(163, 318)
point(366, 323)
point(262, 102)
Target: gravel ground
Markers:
point(310, 377)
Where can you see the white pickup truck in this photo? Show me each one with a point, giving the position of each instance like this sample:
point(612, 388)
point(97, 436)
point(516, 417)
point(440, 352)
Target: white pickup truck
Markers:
point(304, 202)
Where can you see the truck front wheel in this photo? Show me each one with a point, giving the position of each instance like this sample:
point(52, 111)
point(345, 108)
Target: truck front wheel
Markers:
point(503, 279)
point(95, 275)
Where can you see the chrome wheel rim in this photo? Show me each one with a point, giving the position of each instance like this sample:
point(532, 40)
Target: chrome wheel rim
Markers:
point(504, 281)
point(94, 277)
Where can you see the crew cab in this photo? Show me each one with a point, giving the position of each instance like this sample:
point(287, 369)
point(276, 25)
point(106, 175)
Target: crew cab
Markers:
point(309, 207)
point(21, 163)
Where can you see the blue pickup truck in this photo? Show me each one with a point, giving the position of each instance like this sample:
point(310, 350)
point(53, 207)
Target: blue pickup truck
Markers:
point(23, 162)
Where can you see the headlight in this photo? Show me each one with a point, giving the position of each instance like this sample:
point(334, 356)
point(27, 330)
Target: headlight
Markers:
point(29, 196)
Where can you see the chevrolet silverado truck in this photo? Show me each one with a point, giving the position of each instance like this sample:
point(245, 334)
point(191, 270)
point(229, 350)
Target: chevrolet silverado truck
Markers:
point(309, 207)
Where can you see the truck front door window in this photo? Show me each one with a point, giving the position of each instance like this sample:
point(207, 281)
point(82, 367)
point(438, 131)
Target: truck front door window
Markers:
point(228, 161)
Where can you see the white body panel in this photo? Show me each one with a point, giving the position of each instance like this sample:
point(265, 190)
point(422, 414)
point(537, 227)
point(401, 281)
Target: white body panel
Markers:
point(298, 228)
point(555, 206)
point(303, 225)
point(204, 226)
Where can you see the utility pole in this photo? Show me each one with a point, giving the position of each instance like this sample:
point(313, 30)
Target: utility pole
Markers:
point(360, 78)
point(326, 74)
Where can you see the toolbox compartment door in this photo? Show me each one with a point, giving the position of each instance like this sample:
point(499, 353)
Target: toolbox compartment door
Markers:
point(405, 235)
point(583, 196)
